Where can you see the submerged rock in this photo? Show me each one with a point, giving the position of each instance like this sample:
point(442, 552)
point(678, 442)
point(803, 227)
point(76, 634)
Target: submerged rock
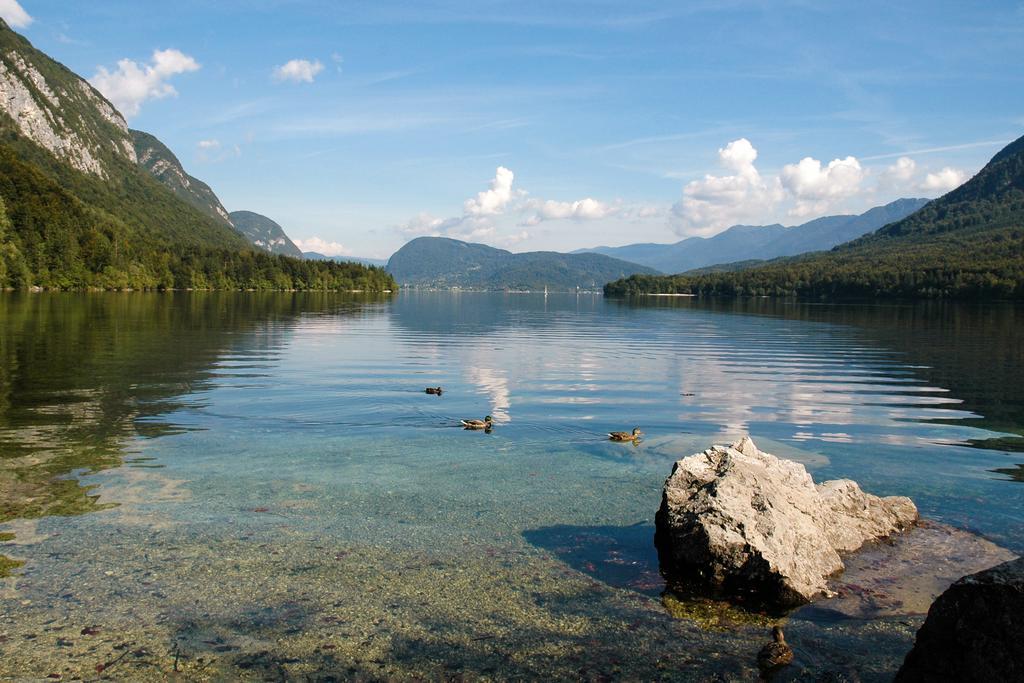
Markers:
point(753, 526)
point(974, 631)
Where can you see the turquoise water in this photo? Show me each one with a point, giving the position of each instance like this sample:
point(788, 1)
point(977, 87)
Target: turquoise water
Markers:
point(257, 485)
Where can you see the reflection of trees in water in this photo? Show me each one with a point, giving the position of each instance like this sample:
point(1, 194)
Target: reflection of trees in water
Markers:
point(974, 351)
point(80, 374)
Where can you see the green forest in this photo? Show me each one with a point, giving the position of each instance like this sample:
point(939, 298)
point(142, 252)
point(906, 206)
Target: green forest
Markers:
point(968, 244)
point(49, 238)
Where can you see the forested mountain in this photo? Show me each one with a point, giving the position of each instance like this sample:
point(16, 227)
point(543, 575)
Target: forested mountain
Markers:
point(315, 256)
point(79, 212)
point(441, 262)
point(155, 157)
point(264, 233)
point(966, 244)
point(747, 242)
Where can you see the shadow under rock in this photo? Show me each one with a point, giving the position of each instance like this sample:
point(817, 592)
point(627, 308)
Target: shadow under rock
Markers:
point(619, 556)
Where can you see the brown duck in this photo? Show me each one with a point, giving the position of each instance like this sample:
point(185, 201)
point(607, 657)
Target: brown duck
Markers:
point(625, 436)
point(435, 391)
point(775, 655)
point(485, 423)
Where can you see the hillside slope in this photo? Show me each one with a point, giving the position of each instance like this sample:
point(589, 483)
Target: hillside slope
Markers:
point(78, 211)
point(264, 233)
point(162, 164)
point(966, 244)
point(748, 242)
point(443, 263)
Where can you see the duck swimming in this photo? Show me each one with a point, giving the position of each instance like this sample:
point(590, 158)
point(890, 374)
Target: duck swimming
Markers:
point(775, 655)
point(625, 436)
point(435, 391)
point(485, 423)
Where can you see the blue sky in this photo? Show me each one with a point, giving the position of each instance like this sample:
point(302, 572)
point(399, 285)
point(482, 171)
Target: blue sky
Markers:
point(555, 124)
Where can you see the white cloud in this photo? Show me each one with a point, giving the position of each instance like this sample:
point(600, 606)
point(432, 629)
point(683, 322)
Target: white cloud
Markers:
point(133, 83)
point(212, 151)
point(322, 246)
point(817, 188)
point(493, 201)
point(422, 224)
point(902, 172)
point(479, 213)
point(582, 210)
point(716, 202)
point(298, 71)
point(943, 181)
point(14, 14)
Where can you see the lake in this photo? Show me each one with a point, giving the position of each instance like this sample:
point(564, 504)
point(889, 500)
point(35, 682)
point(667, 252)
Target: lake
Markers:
point(257, 486)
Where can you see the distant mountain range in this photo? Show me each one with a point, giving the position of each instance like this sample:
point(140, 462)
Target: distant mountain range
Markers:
point(314, 256)
point(445, 263)
point(760, 242)
point(968, 244)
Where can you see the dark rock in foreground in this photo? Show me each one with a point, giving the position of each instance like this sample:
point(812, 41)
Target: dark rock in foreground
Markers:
point(748, 525)
point(974, 631)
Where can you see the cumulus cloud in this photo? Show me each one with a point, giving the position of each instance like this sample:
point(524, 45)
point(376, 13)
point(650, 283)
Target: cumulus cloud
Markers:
point(298, 71)
point(479, 213)
point(420, 225)
point(131, 83)
point(14, 14)
point(902, 172)
point(716, 202)
point(209, 144)
point(582, 210)
point(493, 201)
point(943, 181)
point(817, 188)
point(322, 246)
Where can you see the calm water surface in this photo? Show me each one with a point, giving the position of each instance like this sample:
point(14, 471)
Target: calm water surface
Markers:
point(257, 486)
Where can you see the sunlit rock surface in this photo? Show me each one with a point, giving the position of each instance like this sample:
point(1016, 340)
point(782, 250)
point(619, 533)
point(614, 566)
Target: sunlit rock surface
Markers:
point(755, 527)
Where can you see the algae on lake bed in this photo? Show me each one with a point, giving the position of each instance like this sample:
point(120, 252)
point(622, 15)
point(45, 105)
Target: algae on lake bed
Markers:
point(270, 495)
point(278, 604)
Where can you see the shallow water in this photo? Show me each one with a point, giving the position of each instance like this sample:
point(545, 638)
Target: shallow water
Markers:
point(256, 485)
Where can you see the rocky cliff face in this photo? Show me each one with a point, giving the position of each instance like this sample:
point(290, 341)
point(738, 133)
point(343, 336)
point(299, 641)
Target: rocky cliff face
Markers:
point(155, 157)
point(59, 111)
point(264, 233)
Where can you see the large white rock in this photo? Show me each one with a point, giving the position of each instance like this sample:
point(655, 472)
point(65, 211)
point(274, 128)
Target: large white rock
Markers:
point(756, 527)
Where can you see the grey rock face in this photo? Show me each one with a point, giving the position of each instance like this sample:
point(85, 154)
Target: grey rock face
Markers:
point(41, 111)
point(974, 631)
point(755, 527)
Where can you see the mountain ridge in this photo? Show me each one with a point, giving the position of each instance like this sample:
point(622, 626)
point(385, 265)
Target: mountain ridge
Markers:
point(760, 242)
point(154, 156)
point(441, 262)
point(968, 243)
point(264, 233)
point(79, 212)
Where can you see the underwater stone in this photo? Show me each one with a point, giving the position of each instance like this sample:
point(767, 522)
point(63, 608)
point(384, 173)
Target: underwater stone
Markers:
point(752, 526)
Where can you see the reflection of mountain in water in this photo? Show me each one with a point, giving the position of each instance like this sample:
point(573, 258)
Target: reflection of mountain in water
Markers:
point(974, 351)
point(81, 374)
point(460, 314)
